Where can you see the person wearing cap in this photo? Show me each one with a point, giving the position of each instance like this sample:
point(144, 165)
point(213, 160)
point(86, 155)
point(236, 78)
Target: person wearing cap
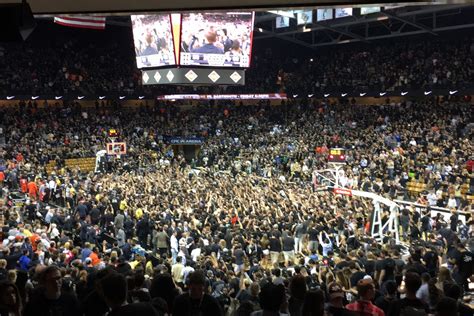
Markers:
point(195, 301)
point(335, 306)
point(364, 306)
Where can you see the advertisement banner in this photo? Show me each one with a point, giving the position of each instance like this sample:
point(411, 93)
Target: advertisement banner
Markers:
point(178, 140)
point(259, 96)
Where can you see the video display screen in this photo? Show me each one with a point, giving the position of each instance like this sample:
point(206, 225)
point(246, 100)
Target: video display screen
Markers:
point(369, 10)
point(304, 17)
point(221, 39)
point(343, 12)
point(325, 14)
point(153, 40)
point(282, 21)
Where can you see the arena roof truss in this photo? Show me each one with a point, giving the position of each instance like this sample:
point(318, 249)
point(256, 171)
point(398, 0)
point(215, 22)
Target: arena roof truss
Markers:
point(404, 21)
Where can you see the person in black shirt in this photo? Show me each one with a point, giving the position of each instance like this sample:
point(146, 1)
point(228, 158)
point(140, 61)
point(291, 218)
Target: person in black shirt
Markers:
point(414, 264)
point(464, 261)
point(114, 291)
point(239, 256)
point(454, 291)
point(454, 220)
point(196, 302)
point(415, 233)
point(313, 238)
point(385, 268)
point(48, 299)
point(405, 222)
point(426, 224)
point(275, 249)
point(369, 264)
point(446, 306)
point(431, 261)
point(384, 302)
point(288, 248)
point(415, 217)
point(410, 302)
point(272, 297)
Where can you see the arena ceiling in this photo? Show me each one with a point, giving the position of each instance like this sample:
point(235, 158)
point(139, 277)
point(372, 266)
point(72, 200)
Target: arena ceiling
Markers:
point(125, 6)
point(410, 18)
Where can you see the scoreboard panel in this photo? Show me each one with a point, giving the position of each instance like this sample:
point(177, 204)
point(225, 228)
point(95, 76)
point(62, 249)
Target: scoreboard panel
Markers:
point(337, 155)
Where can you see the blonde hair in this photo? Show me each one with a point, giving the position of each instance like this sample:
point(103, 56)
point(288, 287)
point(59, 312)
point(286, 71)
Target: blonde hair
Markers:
point(444, 275)
point(83, 275)
point(12, 276)
point(342, 279)
point(3, 263)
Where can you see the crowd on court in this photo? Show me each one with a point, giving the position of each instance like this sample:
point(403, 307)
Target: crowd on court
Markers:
point(244, 228)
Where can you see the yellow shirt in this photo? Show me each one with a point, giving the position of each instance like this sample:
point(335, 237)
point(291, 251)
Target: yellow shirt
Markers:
point(177, 272)
point(149, 268)
point(123, 205)
point(138, 213)
point(134, 264)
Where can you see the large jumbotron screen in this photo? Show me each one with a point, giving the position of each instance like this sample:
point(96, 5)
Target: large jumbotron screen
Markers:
point(218, 39)
point(153, 40)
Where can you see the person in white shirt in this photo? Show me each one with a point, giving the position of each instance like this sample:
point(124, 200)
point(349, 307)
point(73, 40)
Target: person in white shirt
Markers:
point(186, 271)
point(174, 247)
point(452, 202)
point(432, 198)
point(182, 254)
point(52, 187)
point(49, 215)
point(326, 243)
point(54, 232)
point(423, 292)
point(195, 254)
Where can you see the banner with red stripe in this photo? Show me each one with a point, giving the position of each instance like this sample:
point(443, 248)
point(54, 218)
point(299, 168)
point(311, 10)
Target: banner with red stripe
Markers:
point(81, 21)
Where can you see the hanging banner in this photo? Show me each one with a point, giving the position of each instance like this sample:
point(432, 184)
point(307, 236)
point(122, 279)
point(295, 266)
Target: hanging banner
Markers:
point(260, 96)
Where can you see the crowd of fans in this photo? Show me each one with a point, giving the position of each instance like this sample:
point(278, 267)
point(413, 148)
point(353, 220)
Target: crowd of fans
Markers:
point(55, 61)
point(407, 65)
point(243, 228)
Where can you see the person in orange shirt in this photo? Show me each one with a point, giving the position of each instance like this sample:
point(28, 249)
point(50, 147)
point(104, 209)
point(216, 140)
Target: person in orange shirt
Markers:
point(94, 256)
point(33, 190)
point(24, 185)
point(35, 238)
